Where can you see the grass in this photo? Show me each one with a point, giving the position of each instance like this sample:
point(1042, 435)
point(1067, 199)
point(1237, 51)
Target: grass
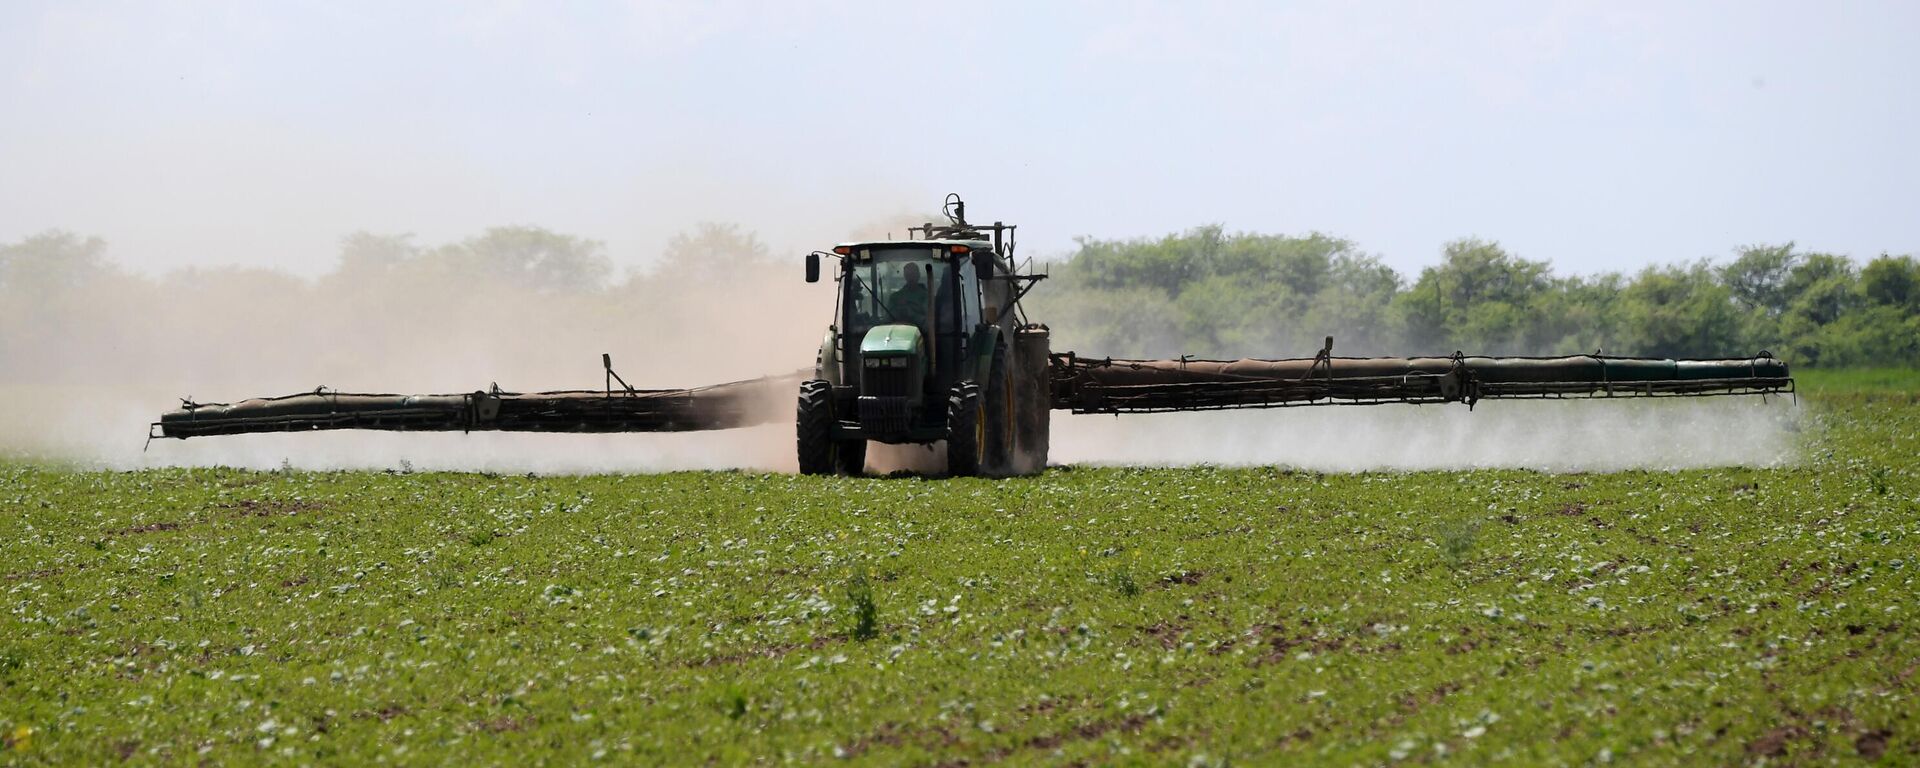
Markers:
point(1196, 616)
point(1859, 381)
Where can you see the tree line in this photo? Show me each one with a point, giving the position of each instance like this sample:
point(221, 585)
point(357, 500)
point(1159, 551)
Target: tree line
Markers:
point(1211, 293)
point(524, 306)
point(1204, 292)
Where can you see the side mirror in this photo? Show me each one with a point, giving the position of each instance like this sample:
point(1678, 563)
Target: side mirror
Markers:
point(813, 267)
point(983, 265)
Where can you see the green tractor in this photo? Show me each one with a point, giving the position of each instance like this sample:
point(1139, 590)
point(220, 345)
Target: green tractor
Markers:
point(928, 346)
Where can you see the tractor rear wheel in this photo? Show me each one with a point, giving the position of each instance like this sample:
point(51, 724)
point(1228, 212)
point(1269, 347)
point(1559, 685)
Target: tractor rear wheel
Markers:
point(814, 427)
point(966, 430)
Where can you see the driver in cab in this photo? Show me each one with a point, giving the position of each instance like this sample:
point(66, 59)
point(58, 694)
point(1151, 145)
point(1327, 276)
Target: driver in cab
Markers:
point(909, 304)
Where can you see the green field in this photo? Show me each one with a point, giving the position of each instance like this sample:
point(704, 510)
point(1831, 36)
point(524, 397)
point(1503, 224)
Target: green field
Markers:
point(1097, 616)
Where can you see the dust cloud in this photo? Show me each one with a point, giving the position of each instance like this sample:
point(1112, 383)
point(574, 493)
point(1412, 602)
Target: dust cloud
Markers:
point(91, 353)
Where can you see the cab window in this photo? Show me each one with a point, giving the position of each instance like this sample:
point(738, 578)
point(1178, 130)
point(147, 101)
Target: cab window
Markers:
point(908, 285)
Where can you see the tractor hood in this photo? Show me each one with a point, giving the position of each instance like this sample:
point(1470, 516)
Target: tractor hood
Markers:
point(890, 341)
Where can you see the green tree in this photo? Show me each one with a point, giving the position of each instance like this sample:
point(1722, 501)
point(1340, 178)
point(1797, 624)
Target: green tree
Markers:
point(1892, 281)
point(1121, 322)
point(1821, 288)
point(1877, 335)
point(1757, 278)
point(1167, 264)
point(1353, 304)
point(712, 251)
point(1680, 311)
point(1579, 314)
point(533, 257)
point(54, 260)
point(363, 252)
point(1210, 293)
point(1480, 297)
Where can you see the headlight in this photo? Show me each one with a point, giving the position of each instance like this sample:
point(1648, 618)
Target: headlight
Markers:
point(875, 362)
point(898, 362)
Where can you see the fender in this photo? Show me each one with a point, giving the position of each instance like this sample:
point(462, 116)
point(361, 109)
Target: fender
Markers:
point(980, 351)
point(826, 364)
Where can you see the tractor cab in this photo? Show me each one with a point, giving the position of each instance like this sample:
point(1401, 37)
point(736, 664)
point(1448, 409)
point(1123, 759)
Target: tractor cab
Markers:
point(908, 310)
point(919, 325)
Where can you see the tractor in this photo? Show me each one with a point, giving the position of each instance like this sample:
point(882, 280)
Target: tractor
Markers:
point(929, 344)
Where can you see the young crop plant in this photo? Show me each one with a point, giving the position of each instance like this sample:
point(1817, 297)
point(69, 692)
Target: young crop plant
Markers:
point(1457, 540)
point(863, 615)
point(1880, 480)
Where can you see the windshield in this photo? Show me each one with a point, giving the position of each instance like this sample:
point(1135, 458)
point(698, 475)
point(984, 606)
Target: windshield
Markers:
point(897, 285)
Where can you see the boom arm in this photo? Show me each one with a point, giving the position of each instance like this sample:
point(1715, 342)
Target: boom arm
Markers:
point(721, 406)
point(1107, 385)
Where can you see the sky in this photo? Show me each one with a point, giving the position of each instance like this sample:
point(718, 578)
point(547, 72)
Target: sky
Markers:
point(1599, 136)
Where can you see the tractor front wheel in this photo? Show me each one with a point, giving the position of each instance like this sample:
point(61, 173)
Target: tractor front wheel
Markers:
point(814, 425)
point(966, 430)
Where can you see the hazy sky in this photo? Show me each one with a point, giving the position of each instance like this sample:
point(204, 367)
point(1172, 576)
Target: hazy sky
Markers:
point(1599, 135)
